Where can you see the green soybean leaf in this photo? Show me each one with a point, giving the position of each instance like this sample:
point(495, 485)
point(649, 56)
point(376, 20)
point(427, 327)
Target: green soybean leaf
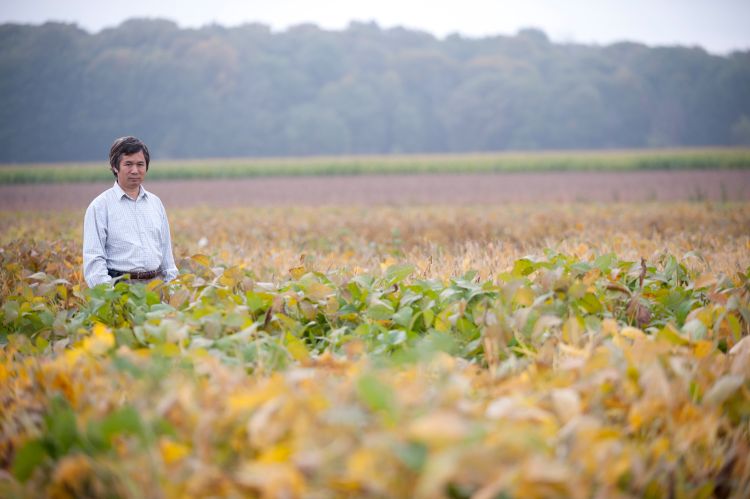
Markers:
point(123, 421)
point(403, 316)
point(28, 457)
point(376, 395)
point(397, 273)
point(523, 267)
point(61, 425)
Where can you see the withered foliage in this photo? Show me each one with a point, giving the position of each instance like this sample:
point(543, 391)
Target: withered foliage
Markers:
point(570, 351)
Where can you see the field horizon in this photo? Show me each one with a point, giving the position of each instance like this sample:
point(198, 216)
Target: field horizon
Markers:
point(712, 158)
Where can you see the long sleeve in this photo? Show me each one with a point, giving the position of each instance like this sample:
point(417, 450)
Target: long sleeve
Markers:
point(94, 240)
point(167, 266)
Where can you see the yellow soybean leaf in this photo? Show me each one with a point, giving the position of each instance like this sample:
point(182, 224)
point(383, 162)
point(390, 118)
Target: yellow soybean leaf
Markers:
point(524, 296)
point(344, 485)
point(619, 467)
point(318, 291)
point(250, 400)
point(572, 331)
point(442, 321)
point(591, 276)
point(670, 335)
point(297, 348)
point(154, 284)
point(308, 310)
point(297, 272)
point(247, 401)
point(389, 261)
point(332, 305)
point(168, 349)
point(72, 356)
point(276, 454)
point(361, 464)
point(635, 418)
point(633, 333)
point(227, 280)
point(660, 447)
point(100, 341)
point(202, 259)
point(703, 348)
point(608, 433)
point(171, 451)
point(179, 297)
point(231, 276)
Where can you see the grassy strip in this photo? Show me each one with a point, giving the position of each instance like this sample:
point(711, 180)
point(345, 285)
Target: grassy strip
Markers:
point(716, 158)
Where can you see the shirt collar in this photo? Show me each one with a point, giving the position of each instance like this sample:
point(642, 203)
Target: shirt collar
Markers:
point(142, 192)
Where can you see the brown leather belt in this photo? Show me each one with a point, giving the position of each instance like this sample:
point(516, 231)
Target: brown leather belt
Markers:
point(134, 275)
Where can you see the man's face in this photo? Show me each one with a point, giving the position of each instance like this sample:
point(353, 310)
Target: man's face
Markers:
point(132, 171)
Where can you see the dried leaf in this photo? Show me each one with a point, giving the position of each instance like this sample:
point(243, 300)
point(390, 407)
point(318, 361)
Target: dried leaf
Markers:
point(724, 388)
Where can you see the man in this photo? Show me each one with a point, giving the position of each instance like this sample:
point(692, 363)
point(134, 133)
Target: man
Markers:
point(125, 230)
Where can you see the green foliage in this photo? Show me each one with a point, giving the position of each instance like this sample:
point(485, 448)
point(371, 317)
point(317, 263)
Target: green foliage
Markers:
point(456, 163)
point(61, 436)
point(580, 368)
point(31, 455)
point(363, 90)
point(222, 309)
point(376, 395)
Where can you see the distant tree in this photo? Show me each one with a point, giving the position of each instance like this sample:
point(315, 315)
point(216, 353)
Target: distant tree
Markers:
point(741, 131)
point(250, 91)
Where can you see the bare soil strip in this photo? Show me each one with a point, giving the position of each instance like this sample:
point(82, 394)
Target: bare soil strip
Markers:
point(546, 187)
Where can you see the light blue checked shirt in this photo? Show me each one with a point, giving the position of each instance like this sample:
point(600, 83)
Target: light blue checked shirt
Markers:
point(121, 233)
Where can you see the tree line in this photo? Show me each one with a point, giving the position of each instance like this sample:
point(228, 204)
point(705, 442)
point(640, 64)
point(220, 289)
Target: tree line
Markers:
point(65, 94)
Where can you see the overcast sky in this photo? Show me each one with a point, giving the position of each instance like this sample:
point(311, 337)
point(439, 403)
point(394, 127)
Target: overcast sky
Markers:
point(717, 25)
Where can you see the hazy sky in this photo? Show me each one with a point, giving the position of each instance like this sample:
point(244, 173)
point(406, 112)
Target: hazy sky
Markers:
point(718, 25)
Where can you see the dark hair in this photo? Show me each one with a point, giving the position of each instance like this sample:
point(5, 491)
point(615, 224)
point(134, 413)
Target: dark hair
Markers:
point(125, 146)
